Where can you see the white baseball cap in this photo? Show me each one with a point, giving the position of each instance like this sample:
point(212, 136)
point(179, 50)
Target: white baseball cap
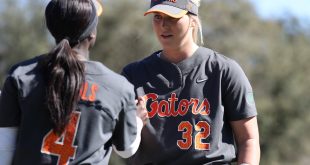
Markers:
point(173, 8)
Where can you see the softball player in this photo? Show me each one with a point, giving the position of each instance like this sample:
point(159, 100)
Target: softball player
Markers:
point(200, 103)
point(61, 108)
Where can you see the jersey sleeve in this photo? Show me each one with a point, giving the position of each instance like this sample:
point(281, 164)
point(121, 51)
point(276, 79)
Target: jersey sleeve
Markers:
point(127, 70)
point(237, 93)
point(9, 104)
point(126, 136)
point(8, 136)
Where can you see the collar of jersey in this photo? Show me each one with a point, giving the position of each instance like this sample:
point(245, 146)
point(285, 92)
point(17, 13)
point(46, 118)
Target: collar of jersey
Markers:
point(188, 64)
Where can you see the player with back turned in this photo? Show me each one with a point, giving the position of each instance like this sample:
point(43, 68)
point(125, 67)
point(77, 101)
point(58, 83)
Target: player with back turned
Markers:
point(62, 108)
point(200, 103)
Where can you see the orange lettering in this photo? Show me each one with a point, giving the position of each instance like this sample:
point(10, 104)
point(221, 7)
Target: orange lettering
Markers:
point(183, 107)
point(84, 91)
point(166, 108)
point(195, 105)
point(172, 101)
point(204, 106)
point(203, 132)
point(154, 104)
point(203, 129)
point(187, 129)
point(163, 109)
point(94, 89)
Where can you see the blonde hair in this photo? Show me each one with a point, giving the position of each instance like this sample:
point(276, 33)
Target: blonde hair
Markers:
point(197, 32)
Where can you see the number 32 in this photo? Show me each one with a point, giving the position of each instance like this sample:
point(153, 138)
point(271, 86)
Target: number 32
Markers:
point(203, 131)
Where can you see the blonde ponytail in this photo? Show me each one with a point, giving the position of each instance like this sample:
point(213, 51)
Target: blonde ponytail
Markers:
point(197, 32)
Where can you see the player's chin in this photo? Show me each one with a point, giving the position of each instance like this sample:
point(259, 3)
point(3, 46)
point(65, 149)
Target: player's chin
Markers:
point(166, 42)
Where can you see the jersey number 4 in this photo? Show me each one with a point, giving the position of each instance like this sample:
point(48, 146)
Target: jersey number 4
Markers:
point(203, 131)
point(62, 146)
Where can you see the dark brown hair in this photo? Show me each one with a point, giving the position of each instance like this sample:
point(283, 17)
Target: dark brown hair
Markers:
point(66, 20)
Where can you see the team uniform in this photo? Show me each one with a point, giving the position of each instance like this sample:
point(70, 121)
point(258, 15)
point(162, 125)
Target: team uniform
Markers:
point(106, 116)
point(190, 105)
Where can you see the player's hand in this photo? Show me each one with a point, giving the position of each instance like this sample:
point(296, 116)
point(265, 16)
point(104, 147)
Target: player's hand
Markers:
point(141, 110)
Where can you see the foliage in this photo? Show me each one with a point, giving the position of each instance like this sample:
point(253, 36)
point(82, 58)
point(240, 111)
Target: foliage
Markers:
point(22, 33)
point(273, 53)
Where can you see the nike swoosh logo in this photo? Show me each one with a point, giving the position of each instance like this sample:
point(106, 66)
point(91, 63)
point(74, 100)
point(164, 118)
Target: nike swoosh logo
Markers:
point(201, 80)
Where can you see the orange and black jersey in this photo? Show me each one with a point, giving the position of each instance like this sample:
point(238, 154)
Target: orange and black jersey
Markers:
point(190, 105)
point(106, 115)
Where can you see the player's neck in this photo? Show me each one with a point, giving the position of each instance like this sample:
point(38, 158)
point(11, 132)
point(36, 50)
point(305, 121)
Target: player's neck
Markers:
point(178, 54)
point(82, 52)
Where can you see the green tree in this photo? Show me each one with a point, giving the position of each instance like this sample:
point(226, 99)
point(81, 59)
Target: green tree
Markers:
point(274, 56)
point(123, 33)
point(22, 32)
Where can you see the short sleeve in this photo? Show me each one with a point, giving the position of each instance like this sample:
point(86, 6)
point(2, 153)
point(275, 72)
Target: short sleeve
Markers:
point(126, 127)
point(9, 105)
point(237, 93)
point(125, 74)
point(128, 70)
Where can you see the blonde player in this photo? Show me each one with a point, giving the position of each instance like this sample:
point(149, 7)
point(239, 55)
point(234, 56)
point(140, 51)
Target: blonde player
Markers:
point(200, 103)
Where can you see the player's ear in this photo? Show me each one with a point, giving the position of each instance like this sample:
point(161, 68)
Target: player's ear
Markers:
point(92, 39)
point(193, 22)
point(92, 36)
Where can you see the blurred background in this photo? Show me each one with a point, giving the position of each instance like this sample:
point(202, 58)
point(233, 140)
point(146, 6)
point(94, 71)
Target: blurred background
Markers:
point(269, 39)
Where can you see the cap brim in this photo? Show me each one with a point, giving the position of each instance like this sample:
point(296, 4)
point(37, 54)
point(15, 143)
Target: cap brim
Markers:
point(98, 6)
point(167, 9)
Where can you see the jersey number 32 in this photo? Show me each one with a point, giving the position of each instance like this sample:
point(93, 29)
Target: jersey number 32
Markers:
point(203, 132)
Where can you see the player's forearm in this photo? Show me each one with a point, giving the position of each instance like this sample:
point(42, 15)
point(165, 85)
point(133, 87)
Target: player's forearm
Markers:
point(249, 152)
point(132, 149)
point(8, 137)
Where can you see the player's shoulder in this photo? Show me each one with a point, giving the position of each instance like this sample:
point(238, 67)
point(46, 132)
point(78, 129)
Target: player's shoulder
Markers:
point(26, 66)
point(220, 61)
point(103, 75)
point(97, 69)
point(140, 66)
point(140, 63)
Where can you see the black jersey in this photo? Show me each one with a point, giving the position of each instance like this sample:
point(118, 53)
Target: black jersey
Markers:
point(106, 115)
point(190, 105)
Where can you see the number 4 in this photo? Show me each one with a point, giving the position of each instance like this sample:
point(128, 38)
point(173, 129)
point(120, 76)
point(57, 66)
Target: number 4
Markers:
point(203, 131)
point(62, 146)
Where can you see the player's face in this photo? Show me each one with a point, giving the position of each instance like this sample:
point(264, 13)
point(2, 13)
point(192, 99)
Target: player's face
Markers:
point(172, 32)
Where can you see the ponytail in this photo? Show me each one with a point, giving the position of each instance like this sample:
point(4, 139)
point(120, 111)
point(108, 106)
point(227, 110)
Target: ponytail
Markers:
point(65, 76)
point(197, 32)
